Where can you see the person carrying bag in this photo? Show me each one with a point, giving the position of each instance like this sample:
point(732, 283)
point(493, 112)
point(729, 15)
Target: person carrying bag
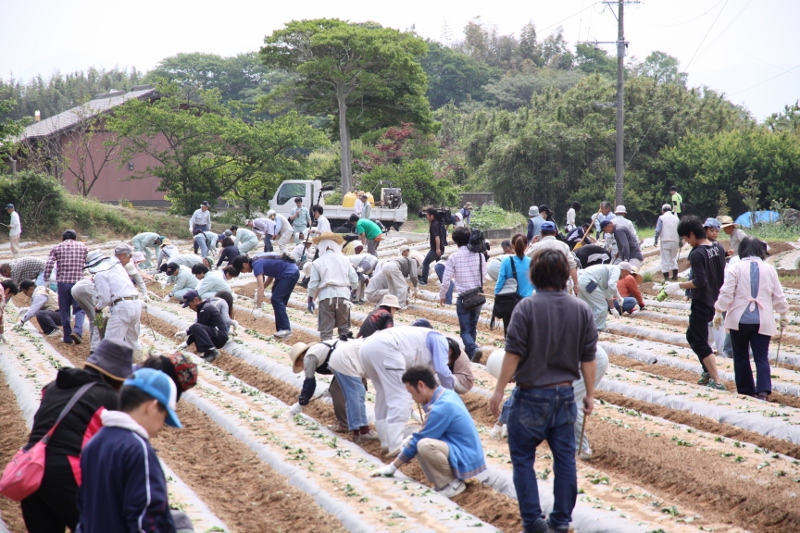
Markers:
point(510, 290)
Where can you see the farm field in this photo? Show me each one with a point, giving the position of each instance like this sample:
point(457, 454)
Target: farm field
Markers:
point(668, 454)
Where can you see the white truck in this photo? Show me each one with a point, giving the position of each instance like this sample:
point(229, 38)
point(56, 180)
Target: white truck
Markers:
point(389, 209)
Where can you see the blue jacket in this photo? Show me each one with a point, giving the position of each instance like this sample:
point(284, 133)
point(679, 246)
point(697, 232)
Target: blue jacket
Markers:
point(123, 488)
point(524, 285)
point(449, 421)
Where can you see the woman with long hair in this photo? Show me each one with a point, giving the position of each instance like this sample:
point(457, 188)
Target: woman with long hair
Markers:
point(513, 283)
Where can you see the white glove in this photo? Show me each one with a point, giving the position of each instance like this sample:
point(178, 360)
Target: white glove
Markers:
point(18, 326)
point(784, 320)
point(167, 298)
point(22, 311)
point(717, 320)
point(234, 324)
point(145, 297)
point(497, 431)
point(181, 335)
point(673, 288)
point(406, 441)
point(182, 345)
point(614, 313)
point(296, 409)
point(387, 470)
point(3, 338)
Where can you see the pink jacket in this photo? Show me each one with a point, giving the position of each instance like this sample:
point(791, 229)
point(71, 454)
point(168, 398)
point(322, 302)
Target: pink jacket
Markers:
point(734, 296)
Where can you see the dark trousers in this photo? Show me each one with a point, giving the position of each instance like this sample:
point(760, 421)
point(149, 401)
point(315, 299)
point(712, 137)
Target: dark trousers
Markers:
point(426, 265)
point(281, 291)
point(206, 338)
point(48, 321)
point(747, 336)
point(267, 242)
point(697, 333)
point(66, 303)
point(53, 507)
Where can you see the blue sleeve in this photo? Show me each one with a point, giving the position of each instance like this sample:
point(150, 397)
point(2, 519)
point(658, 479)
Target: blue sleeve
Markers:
point(435, 426)
point(145, 507)
point(502, 275)
point(437, 344)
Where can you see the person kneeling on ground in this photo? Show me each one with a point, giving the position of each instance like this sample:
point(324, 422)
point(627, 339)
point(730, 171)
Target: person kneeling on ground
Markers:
point(44, 307)
point(209, 332)
point(448, 446)
point(628, 286)
point(382, 317)
point(124, 488)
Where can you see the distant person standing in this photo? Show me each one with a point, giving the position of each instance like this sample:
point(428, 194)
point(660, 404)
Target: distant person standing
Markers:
point(358, 207)
point(70, 257)
point(201, 219)
point(366, 211)
point(436, 241)
point(571, 212)
point(466, 214)
point(734, 231)
point(300, 219)
point(676, 200)
point(535, 222)
point(323, 226)
point(605, 214)
point(14, 230)
point(667, 231)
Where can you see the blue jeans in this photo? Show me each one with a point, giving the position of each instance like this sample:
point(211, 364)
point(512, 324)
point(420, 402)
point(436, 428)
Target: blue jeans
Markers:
point(628, 303)
point(468, 327)
point(200, 242)
point(744, 339)
point(267, 243)
point(65, 302)
point(536, 415)
point(448, 298)
point(426, 265)
point(281, 291)
point(354, 397)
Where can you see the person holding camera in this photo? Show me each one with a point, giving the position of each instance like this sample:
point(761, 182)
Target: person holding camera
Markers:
point(467, 269)
point(435, 230)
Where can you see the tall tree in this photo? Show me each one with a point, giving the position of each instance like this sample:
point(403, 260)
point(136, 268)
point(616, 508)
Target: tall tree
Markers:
point(340, 65)
point(455, 77)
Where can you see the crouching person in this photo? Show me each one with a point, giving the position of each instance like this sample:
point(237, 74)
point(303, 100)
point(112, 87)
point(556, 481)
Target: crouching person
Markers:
point(313, 359)
point(124, 488)
point(209, 332)
point(448, 446)
point(345, 362)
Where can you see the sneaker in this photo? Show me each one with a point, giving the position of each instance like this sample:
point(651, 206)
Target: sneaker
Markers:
point(763, 396)
point(454, 488)
point(75, 337)
point(585, 454)
point(365, 437)
point(704, 378)
point(714, 385)
point(54, 333)
point(282, 334)
point(338, 428)
point(211, 355)
point(477, 356)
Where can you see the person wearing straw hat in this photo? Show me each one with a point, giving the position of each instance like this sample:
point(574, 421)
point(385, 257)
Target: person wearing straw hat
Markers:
point(208, 333)
point(53, 506)
point(124, 488)
point(628, 285)
point(14, 230)
point(332, 280)
point(358, 206)
point(114, 290)
point(313, 359)
point(143, 242)
point(734, 231)
point(382, 317)
point(667, 231)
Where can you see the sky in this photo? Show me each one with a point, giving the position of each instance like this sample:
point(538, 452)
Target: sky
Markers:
point(749, 50)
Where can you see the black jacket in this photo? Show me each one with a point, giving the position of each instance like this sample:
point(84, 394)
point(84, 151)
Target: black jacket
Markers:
point(208, 315)
point(228, 254)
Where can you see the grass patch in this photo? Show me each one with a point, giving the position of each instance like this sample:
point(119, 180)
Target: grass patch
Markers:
point(774, 232)
point(493, 217)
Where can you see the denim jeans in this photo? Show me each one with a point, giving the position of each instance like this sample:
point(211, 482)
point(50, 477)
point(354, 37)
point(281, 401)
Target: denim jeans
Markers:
point(468, 327)
point(448, 298)
point(201, 243)
point(745, 338)
point(431, 257)
point(281, 291)
point(267, 243)
point(354, 397)
point(536, 415)
point(66, 303)
point(628, 303)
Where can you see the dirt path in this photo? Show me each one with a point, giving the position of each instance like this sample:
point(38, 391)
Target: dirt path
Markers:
point(13, 435)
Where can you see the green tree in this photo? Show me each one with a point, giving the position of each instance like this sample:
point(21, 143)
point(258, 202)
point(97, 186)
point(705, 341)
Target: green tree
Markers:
point(454, 76)
point(205, 152)
point(661, 67)
point(340, 66)
point(9, 128)
point(593, 60)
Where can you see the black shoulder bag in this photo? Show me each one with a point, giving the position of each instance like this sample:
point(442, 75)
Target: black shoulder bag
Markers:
point(474, 298)
point(504, 304)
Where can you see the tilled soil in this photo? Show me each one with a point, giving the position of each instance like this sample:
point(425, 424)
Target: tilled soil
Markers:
point(13, 435)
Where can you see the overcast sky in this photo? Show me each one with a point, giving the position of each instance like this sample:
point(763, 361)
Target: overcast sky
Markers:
point(750, 50)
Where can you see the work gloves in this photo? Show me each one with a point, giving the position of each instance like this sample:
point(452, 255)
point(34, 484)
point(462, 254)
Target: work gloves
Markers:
point(309, 386)
point(181, 335)
point(182, 345)
point(3, 339)
point(167, 298)
point(614, 312)
point(718, 319)
point(311, 305)
point(296, 409)
point(387, 471)
point(784, 320)
point(498, 431)
point(673, 288)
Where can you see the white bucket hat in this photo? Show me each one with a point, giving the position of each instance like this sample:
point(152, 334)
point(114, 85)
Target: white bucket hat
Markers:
point(620, 210)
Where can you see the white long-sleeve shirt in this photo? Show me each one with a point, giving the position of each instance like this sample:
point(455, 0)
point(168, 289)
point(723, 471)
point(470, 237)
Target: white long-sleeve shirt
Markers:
point(211, 284)
point(14, 227)
point(323, 225)
point(200, 218)
point(112, 284)
point(358, 208)
point(332, 276)
point(43, 299)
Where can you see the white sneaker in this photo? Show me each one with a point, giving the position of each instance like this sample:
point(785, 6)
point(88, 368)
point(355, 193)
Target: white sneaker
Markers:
point(54, 333)
point(454, 488)
point(282, 334)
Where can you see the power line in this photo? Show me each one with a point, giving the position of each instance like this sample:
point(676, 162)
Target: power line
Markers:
point(706, 35)
point(686, 22)
point(569, 17)
point(767, 81)
point(726, 27)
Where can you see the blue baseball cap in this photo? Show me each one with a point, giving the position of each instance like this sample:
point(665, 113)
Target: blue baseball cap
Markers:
point(712, 223)
point(548, 226)
point(422, 323)
point(161, 387)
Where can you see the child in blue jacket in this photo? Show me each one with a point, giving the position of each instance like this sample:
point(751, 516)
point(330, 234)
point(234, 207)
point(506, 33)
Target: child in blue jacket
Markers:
point(123, 487)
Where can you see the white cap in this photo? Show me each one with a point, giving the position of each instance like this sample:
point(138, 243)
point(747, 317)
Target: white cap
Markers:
point(620, 209)
point(666, 207)
point(404, 248)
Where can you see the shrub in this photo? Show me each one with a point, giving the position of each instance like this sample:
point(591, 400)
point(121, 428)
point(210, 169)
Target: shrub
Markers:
point(38, 198)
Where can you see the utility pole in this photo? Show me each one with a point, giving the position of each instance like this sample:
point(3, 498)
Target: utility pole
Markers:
point(621, 45)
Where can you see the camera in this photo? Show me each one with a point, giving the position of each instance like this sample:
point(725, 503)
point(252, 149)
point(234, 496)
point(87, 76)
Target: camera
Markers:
point(443, 215)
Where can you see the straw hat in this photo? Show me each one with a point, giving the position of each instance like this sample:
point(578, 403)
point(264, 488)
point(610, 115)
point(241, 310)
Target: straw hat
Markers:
point(296, 355)
point(632, 269)
point(389, 300)
point(726, 221)
point(165, 242)
point(329, 235)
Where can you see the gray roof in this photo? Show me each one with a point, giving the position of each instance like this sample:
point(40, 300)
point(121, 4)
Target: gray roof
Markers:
point(100, 104)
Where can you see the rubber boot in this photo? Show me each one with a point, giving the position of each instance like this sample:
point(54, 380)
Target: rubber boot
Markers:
point(666, 276)
point(380, 427)
point(394, 436)
point(675, 275)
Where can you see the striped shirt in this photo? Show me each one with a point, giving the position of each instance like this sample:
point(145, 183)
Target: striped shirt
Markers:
point(70, 257)
point(26, 268)
point(463, 268)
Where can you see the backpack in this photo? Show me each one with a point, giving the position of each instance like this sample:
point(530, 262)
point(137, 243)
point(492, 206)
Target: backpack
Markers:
point(477, 242)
